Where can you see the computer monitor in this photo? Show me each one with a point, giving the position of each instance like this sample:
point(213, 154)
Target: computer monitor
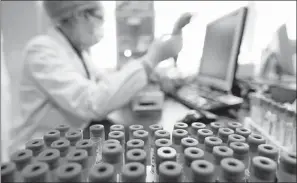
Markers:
point(221, 49)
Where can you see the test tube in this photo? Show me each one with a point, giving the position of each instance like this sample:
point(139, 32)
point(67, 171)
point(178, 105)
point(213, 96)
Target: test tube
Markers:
point(180, 125)
point(117, 128)
point(177, 135)
point(202, 171)
point(70, 172)
point(73, 136)
point(241, 152)
point(170, 171)
point(254, 140)
point(113, 154)
point(191, 154)
point(201, 135)
point(135, 144)
point(287, 167)
point(97, 135)
point(164, 154)
point(232, 170)
point(133, 128)
point(185, 143)
point(243, 132)
point(224, 134)
point(51, 157)
point(120, 136)
point(219, 153)
point(211, 142)
point(290, 129)
point(63, 128)
point(137, 155)
point(152, 129)
point(36, 172)
point(235, 138)
point(79, 156)
point(133, 172)
point(8, 172)
point(195, 126)
point(162, 134)
point(22, 158)
point(89, 146)
point(36, 146)
point(111, 141)
point(268, 151)
point(234, 125)
point(159, 143)
point(51, 136)
point(215, 126)
point(101, 173)
point(262, 170)
point(63, 146)
point(144, 135)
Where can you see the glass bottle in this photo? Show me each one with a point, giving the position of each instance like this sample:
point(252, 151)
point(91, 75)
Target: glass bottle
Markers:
point(97, 135)
point(262, 170)
point(201, 135)
point(133, 172)
point(51, 136)
point(80, 156)
point(224, 134)
point(195, 126)
point(36, 172)
point(170, 171)
point(202, 171)
point(101, 173)
point(177, 135)
point(232, 170)
point(70, 172)
point(63, 129)
point(191, 154)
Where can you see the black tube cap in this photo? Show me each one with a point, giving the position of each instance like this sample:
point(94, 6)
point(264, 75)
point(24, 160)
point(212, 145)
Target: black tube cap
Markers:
point(195, 126)
point(36, 172)
point(202, 134)
point(102, 172)
point(170, 171)
point(141, 134)
point(243, 132)
point(232, 170)
point(180, 125)
point(188, 142)
point(97, 131)
point(288, 162)
point(36, 146)
point(112, 153)
point(203, 171)
point(192, 154)
point(236, 138)
point(111, 141)
point(135, 144)
point(117, 128)
point(234, 125)
point(221, 152)
point(117, 135)
point(165, 154)
point(62, 145)
point(133, 128)
point(264, 168)
point(224, 133)
point(254, 140)
point(22, 158)
point(136, 155)
point(177, 135)
point(215, 126)
point(153, 128)
point(133, 172)
point(74, 136)
point(211, 142)
point(51, 136)
point(69, 172)
point(51, 157)
point(161, 134)
point(79, 156)
point(87, 145)
point(268, 151)
point(8, 171)
point(240, 150)
point(63, 128)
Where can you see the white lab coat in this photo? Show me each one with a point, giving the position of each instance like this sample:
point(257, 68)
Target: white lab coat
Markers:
point(55, 89)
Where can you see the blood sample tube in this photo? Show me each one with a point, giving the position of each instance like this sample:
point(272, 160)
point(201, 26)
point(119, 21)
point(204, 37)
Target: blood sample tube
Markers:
point(185, 143)
point(234, 125)
point(36, 146)
point(89, 146)
point(135, 144)
point(180, 125)
point(241, 152)
point(152, 129)
point(232, 170)
point(235, 138)
point(201, 135)
point(120, 136)
point(36, 172)
point(211, 142)
point(97, 135)
point(22, 158)
point(287, 167)
point(243, 132)
point(220, 152)
point(164, 154)
point(268, 151)
point(51, 136)
point(224, 134)
point(8, 172)
point(101, 173)
point(63, 128)
point(195, 127)
point(63, 146)
point(254, 140)
point(159, 143)
point(133, 172)
point(202, 171)
point(177, 135)
point(191, 154)
point(262, 170)
point(170, 171)
point(70, 172)
point(133, 128)
point(137, 155)
point(73, 136)
point(80, 156)
point(117, 128)
point(162, 134)
point(144, 135)
point(215, 126)
point(111, 141)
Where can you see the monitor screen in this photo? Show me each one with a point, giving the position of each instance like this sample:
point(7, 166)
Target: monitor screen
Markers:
point(221, 48)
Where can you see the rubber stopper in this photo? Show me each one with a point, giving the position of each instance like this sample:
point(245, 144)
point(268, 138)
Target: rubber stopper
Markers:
point(211, 142)
point(73, 136)
point(180, 125)
point(135, 144)
point(63, 128)
point(8, 171)
point(102, 172)
point(203, 171)
point(141, 134)
point(79, 156)
point(117, 128)
point(170, 171)
point(161, 134)
point(192, 154)
point(197, 126)
point(136, 155)
point(133, 172)
point(87, 145)
point(236, 138)
point(22, 158)
point(243, 132)
point(234, 125)
point(165, 154)
point(69, 172)
point(111, 141)
point(51, 136)
point(202, 134)
point(97, 131)
point(254, 140)
point(215, 126)
point(36, 146)
point(51, 157)
point(188, 142)
point(232, 170)
point(112, 153)
point(62, 145)
point(288, 162)
point(264, 168)
point(268, 151)
point(177, 135)
point(224, 134)
point(153, 128)
point(240, 149)
point(36, 172)
point(117, 135)
point(221, 152)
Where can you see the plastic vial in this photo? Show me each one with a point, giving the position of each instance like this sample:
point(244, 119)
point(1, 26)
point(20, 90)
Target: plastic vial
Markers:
point(170, 171)
point(185, 143)
point(202, 171)
point(63, 128)
point(70, 172)
point(117, 128)
point(201, 135)
point(191, 154)
point(135, 144)
point(51, 136)
point(268, 151)
point(113, 154)
point(144, 135)
point(262, 170)
point(215, 126)
point(159, 143)
point(101, 173)
point(235, 138)
point(63, 146)
point(254, 140)
point(89, 146)
point(80, 156)
point(224, 134)
point(36, 146)
point(133, 172)
point(234, 125)
point(180, 125)
point(243, 132)
point(133, 128)
point(36, 172)
point(22, 158)
point(211, 142)
point(195, 127)
point(177, 135)
point(8, 172)
point(241, 152)
point(51, 157)
point(73, 136)
point(97, 135)
point(111, 141)
point(137, 155)
point(232, 170)
point(164, 154)
point(219, 153)
point(152, 129)
point(287, 167)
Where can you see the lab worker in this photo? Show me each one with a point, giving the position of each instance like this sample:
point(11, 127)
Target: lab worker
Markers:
point(60, 84)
